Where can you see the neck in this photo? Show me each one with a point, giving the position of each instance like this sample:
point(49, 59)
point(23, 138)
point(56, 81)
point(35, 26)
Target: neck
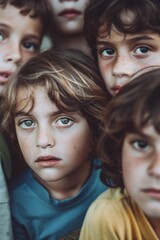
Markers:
point(76, 41)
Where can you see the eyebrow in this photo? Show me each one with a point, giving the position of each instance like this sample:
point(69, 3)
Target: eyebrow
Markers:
point(4, 25)
point(26, 36)
point(130, 40)
point(139, 38)
point(27, 114)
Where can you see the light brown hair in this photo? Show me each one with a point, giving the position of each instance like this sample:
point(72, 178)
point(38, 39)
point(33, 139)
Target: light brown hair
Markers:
point(72, 82)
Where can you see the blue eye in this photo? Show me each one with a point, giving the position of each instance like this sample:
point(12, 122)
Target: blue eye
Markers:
point(64, 121)
point(26, 124)
point(2, 36)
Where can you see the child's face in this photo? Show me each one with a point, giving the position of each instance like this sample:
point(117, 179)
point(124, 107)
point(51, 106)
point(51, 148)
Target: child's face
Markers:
point(120, 57)
point(54, 144)
point(69, 15)
point(141, 170)
point(20, 38)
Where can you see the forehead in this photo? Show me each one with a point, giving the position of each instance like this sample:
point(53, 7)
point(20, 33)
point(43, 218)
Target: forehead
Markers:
point(116, 36)
point(12, 17)
point(28, 98)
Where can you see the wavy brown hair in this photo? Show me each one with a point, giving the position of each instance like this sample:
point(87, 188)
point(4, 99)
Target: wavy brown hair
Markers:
point(72, 82)
point(136, 105)
point(109, 13)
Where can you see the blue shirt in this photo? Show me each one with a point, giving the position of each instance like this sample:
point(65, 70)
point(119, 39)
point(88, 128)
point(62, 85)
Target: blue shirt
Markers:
point(38, 216)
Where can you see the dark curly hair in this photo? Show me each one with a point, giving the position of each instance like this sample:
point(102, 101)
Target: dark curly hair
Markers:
point(136, 105)
point(108, 13)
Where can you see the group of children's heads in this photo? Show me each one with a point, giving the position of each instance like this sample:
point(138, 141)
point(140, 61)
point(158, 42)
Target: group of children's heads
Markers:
point(64, 93)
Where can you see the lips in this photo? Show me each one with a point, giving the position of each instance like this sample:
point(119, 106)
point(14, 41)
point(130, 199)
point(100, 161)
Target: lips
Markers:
point(152, 192)
point(69, 13)
point(48, 161)
point(116, 89)
point(4, 77)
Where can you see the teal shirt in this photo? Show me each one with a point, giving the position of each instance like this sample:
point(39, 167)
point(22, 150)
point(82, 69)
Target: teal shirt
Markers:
point(37, 216)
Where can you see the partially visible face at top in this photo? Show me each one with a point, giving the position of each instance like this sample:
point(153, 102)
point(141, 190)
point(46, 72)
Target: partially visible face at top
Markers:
point(120, 57)
point(55, 145)
point(69, 15)
point(20, 38)
point(141, 171)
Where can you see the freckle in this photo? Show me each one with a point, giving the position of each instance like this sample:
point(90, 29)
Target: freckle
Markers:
point(75, 148)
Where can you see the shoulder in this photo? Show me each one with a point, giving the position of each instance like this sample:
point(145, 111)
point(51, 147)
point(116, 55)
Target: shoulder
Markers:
point(111, 207)
point(107, 217)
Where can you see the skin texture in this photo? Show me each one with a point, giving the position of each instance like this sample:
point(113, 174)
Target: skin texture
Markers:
point(72, 20)
point(141, 172)
point(20, 39)
point(119, 57)
point(55, 145)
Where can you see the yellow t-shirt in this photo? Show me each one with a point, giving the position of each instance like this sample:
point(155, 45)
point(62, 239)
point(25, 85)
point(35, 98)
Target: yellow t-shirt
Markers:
point(113, 216)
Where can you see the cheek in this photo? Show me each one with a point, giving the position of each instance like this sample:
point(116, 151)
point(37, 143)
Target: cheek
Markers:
point(24, 143)
point(27, 56)
point(133, 172)
point(128, 167)
point(82, 144)
point(104, 69)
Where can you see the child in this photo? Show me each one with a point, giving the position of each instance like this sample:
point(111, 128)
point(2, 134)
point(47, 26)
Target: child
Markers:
point(130, 149)
point(124, 37)
point(67, 30)
point(22, 25)
point(55, 104)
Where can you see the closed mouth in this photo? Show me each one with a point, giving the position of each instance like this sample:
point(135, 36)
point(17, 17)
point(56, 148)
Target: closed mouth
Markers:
point(152, 192)
point(48, 161)
point(47, 158)
point(69, 13)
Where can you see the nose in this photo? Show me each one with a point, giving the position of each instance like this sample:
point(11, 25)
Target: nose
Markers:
point(13, 54)
point(45, 138)
point(123, 67)
point(154, 168)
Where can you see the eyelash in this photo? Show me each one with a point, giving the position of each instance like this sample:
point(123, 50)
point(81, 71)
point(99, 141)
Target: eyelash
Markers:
point(25, 125)
point(139, 141)
point(62, 118)
point(59, 122)
point(3, 34)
